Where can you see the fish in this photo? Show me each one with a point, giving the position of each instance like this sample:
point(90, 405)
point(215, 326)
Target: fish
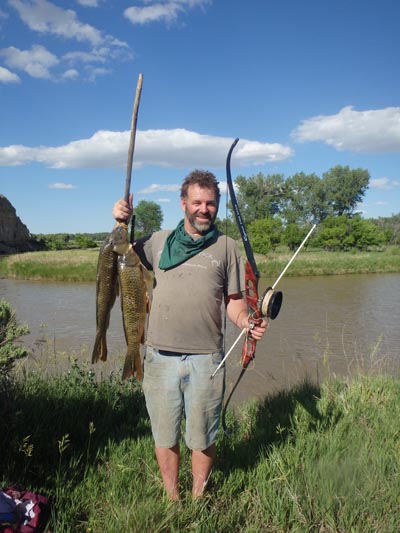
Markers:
point(134, 306)
point(107, 287)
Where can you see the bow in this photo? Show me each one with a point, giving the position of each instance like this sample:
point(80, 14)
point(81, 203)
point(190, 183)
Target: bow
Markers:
point(268, 306)
point(252, 275)
point(270, 303)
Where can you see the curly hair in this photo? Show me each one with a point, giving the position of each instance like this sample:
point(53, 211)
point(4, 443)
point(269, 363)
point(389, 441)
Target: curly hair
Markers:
point(202, 178)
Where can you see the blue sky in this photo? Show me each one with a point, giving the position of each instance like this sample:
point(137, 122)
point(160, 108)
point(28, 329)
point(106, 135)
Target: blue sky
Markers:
point(306, 85)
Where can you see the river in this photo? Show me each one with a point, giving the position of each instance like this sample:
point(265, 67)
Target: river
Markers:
point(327, 325)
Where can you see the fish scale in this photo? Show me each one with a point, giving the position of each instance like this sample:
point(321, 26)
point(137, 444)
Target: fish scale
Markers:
point(106, 293)
point(119, 268)
point(134, 305)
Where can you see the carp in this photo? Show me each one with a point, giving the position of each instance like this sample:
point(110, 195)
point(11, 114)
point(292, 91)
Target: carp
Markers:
point(106, 288)
point(135, 306)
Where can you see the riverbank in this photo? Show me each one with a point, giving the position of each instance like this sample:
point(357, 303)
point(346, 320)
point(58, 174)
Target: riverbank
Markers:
point(81, 265)
point(320, 457)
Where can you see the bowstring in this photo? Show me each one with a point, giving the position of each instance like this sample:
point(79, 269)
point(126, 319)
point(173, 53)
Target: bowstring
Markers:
point(226, 266)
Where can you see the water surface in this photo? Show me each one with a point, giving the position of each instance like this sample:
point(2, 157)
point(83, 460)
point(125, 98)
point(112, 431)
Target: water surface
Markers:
point(327, 324)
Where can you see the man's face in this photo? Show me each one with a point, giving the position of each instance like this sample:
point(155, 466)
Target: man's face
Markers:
point(200, 209)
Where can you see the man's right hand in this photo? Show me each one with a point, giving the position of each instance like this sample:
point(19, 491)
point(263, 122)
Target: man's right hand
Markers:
point(122, 210)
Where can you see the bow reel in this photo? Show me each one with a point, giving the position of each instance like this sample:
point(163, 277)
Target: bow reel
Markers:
point(270, 303)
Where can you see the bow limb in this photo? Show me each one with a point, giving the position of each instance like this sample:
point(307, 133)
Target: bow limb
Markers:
point(238, 216)
point(251, 288)
point(252, 274)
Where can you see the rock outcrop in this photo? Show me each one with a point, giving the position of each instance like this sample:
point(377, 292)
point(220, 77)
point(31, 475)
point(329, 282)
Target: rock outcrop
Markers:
point(14, 235)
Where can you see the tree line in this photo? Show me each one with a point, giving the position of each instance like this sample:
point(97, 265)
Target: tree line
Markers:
point(148, 218)
point(279, 211)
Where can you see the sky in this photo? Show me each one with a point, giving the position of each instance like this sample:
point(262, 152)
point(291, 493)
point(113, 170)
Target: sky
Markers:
point(305, 84)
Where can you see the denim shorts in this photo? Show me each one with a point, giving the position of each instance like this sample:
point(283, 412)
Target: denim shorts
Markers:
point(174, 384)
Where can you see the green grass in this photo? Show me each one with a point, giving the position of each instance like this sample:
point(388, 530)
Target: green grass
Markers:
point(321, 263)
point(81, 265)
point(317, 457)
point(62, 265)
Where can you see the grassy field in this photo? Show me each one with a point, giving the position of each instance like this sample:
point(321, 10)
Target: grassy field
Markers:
point(62, 265)
point(80, 265)
point(314, 458)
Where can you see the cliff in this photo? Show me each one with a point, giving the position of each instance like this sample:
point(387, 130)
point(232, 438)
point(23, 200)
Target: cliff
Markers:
point(14, 235)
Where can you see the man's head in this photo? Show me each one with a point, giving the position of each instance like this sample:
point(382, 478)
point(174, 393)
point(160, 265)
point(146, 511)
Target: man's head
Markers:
point(200, 197)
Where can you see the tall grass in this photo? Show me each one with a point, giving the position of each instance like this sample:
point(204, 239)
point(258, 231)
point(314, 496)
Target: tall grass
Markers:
point(62, 265)
point(317, 457)
point(80, 265)
point(320, 263)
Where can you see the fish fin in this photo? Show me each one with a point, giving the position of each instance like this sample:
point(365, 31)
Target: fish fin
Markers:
point(99, 348)
point(96, 348)
point(132, 366)
point(103, 348)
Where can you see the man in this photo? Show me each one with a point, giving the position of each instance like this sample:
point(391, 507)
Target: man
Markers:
point(196, 270)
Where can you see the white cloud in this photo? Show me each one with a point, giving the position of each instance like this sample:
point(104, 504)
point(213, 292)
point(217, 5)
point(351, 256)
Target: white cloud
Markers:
point(155, 188)
point(380, 183)
point(88, 3)
point(384, 184)
point(6, 76)
point(36, 62)
point(94, 72)
point(361, 131)
point(45, 17)
point(166, 11)
point(178, 148)
point(164, 200)
point(70, 74)
point(158, 12)
point(61, 186)
point(94, 56)
point(3, 14)
point(223, 187)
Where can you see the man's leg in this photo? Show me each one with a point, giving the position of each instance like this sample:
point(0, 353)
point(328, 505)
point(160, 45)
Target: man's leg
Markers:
point(202, 463)
point(168, 461)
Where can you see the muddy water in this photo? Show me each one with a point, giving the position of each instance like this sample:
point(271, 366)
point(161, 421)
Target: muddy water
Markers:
point(326, 325)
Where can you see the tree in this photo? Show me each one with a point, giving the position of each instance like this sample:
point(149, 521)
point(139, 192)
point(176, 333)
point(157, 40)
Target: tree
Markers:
point(148, 218)
point(228, 226)
point(265, 234)
point(365, 233)
point(259, 196)
point(84, 241)
point(344, 188)
point(293, 236)
point(390, 226)
point(343, 233)
point(305, 199)
point(334, 234)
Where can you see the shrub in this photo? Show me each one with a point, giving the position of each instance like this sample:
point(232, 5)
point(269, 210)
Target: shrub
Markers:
point(10, 331)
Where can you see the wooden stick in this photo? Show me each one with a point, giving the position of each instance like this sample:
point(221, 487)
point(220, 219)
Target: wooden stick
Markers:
point(133, 136)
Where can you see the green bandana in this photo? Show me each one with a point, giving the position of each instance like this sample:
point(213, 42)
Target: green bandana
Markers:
point(180, 246)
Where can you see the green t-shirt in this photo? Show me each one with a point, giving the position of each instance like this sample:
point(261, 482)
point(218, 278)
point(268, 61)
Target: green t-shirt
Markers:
point(188, 300)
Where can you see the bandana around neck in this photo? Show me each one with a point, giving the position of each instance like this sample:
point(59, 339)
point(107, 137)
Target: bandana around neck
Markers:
point(180, 246)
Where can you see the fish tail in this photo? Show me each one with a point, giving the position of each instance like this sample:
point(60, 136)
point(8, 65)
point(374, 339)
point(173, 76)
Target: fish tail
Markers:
point(132, 365)
point(99, 348)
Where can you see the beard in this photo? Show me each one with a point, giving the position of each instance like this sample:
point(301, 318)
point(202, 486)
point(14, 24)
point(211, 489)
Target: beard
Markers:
point(202, 227)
